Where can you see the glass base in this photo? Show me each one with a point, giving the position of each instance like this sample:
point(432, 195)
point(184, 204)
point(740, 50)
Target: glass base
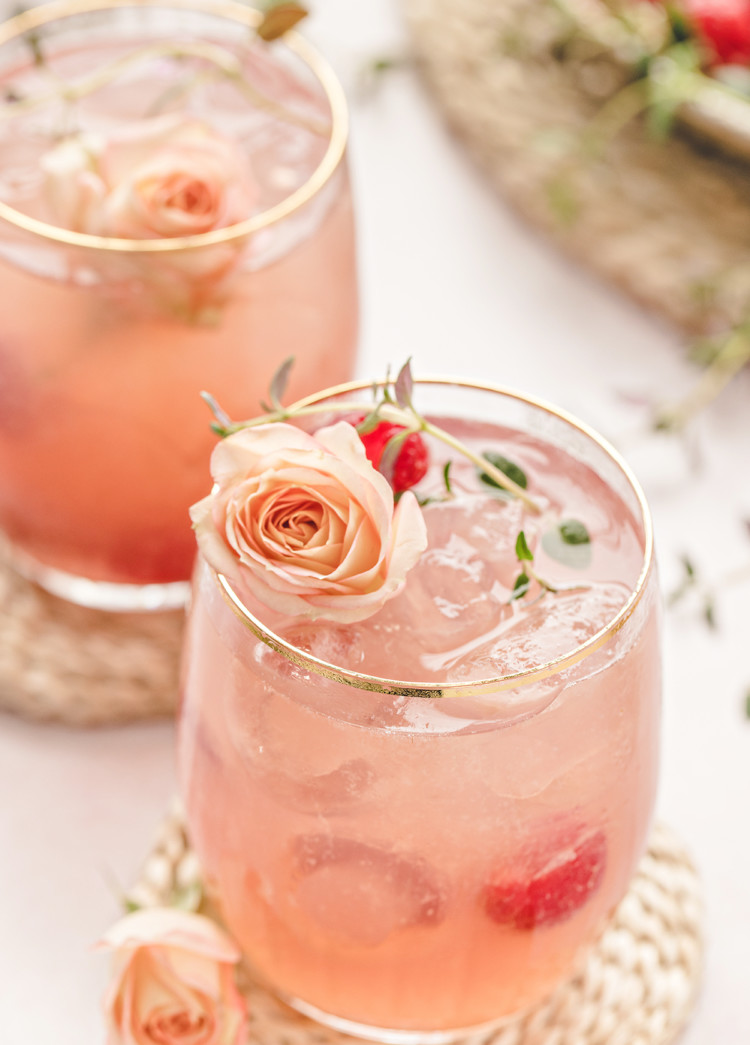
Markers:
point(100, 595)
point(389, 1036)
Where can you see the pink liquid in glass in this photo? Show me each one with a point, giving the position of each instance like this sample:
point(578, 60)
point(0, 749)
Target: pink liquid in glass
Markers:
point(410, 865)
point(104, 440)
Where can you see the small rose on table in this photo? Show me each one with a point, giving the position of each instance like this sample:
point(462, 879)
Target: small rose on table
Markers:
point(173, 982)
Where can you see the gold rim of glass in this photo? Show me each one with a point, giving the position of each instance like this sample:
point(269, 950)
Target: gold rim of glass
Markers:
point(37, 17)
point(396, 687)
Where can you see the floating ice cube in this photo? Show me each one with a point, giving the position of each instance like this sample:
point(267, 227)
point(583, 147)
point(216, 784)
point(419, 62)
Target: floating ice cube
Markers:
point(362, 893)
point(458, 590)
point(550, 627)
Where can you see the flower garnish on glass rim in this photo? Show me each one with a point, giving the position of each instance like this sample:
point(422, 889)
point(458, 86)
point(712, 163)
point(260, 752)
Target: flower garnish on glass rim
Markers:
point(306, 521)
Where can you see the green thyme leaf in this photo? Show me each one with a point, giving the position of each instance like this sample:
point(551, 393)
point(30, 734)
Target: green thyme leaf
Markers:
point(569, 543)
point(573, 531)
point(520, 587)
point(747, 703)
point(513, 471)
point(523, 552)
point(447, 477)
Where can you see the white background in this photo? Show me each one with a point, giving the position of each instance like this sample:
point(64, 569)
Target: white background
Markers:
point(450, 276)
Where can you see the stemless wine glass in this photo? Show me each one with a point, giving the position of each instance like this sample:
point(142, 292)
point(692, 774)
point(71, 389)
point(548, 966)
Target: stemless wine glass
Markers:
point(416, 824)
point(175, 215)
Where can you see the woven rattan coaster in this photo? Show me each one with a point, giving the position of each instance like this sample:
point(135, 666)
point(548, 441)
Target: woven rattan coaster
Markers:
point(65, 663)
point(669, 222)
point(637, 987)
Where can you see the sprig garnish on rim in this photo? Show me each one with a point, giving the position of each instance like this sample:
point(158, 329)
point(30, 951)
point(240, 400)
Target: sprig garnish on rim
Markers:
point(394, 403)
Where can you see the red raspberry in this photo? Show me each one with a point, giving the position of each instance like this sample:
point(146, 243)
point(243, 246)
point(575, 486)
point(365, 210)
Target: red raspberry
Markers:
point(559, 881)
point(724, 27)
point(411, 461)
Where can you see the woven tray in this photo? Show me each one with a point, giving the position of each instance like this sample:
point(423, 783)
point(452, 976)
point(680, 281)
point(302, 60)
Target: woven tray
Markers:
point(65, 663)
point(638, 986)
point(669, 222)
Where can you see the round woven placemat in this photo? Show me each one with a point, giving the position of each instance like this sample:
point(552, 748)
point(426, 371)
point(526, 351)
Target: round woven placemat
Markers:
point(669, 222)
point(638, 985)
point(65, 663)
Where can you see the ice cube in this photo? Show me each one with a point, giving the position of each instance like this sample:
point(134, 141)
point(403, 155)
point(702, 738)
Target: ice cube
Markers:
point(362, 893)
point(460, 587)
point(550, 627)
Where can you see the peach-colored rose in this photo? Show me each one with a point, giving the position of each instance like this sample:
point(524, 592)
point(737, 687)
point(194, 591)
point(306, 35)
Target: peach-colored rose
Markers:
point(173, 982)
point(307, 522)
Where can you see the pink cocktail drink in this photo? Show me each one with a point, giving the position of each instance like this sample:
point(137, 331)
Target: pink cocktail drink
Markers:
point(107, 338)
point(417, 823)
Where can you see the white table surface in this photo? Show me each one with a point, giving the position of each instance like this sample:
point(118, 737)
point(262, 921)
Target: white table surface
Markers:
point(453, 278)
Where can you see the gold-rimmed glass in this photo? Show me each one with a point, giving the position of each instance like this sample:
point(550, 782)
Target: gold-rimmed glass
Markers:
point(407, 855)
point(106, 342)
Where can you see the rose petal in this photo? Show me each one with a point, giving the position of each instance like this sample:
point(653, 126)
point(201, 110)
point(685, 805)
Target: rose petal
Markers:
point(172, 927)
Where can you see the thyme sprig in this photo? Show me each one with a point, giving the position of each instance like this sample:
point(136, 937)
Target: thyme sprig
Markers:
point(528, 573)
point(221, 63)
point(393, 402)
point(703, 592)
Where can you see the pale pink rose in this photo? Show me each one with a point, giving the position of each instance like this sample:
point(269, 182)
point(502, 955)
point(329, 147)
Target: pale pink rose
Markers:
point(173, 982)
point(307, 523)
point(162, 177)
point(165, 177)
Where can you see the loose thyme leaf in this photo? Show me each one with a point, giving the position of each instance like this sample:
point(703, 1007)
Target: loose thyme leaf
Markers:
point(513, 471)
point(573, 531)
point(747, 703)
point(569, 543)
point(523, 552)
point(278, 17)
